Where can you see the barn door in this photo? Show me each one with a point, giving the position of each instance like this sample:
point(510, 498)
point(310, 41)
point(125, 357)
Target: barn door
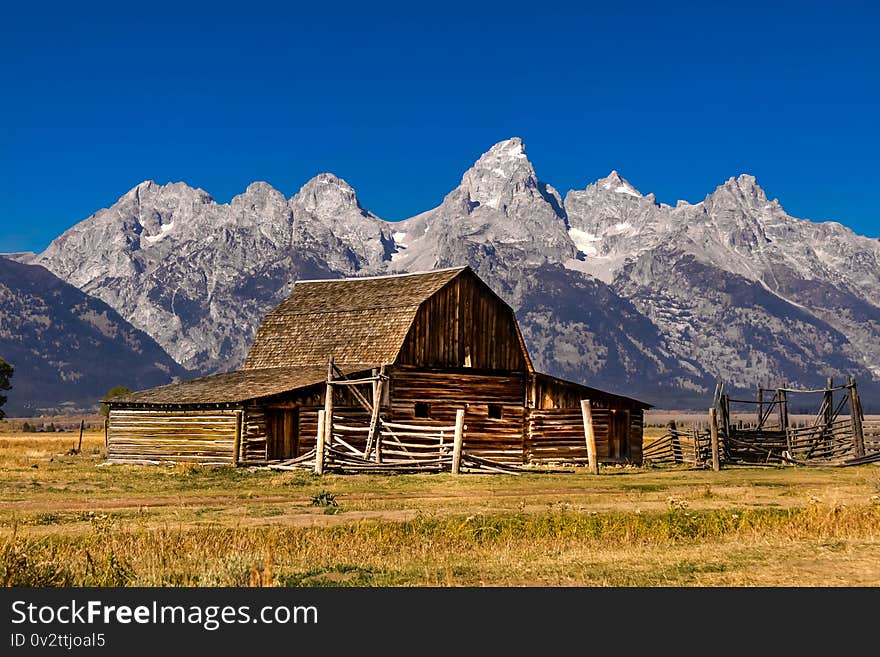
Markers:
point(619, 435)
point(282, 428)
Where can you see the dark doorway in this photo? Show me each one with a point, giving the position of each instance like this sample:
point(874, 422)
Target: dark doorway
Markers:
point(282, 433)
point(619, 435)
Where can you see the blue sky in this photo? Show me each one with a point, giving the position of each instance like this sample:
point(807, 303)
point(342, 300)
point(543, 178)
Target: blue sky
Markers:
point(399, 100)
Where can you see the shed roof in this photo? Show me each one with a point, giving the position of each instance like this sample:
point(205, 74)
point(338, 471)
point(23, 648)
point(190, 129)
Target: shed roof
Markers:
point(358, 320)
point(230, 387)
point(595, 393)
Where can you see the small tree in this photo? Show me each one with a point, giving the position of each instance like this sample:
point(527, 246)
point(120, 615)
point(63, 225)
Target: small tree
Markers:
point(27, 428)
point(6, 371)
point(115, 391)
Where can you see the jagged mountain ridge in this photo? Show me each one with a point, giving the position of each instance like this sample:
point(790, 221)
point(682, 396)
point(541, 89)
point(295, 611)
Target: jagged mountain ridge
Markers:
point(612, 287)
point(67, 347)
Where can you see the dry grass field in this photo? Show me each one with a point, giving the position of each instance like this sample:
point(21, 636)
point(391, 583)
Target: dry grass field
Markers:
point(69, 520)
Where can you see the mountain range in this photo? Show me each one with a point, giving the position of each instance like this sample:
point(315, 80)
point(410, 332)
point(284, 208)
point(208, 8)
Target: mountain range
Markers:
point(611, 287)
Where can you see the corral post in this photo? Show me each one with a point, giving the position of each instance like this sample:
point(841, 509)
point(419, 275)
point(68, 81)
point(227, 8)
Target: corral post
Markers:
point(713, 434)
point(783, 417)
point(82, 424)
point(106, 432)
point(590, 436)
point(236, 448)
point(319, 445)
point(855, 413)
point(328, 405)
point(760, 407)
point(829, 412)
point(372, 433)
point(378, 445)
point(457, 441)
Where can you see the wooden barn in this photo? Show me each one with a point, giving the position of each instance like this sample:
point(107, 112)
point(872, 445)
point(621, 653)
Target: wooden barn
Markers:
point(426, 345)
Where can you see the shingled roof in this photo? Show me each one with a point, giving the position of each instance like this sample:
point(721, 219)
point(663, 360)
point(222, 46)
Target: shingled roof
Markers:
point(358, 320)
point(230, 387)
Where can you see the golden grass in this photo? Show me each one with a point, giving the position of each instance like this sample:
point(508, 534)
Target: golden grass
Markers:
point(67, 520)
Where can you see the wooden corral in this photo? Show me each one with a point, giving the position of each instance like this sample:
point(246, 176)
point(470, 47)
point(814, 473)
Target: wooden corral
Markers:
point(837, 436)
point(416, 350)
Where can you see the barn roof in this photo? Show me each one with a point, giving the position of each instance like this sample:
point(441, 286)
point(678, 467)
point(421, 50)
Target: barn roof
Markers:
point(594, 393)
point(358, 320)
point(230, 387)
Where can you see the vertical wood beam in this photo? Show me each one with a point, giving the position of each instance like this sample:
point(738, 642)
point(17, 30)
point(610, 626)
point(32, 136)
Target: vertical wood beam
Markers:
point(458, 440)
point(713, 435)
point(378, 383)
point(829, 412)
point(319, 444)
point(855, 412)
point(328, 405)
point(589, 436)
point(236, 447)
point(760, 407)
point(783, 416)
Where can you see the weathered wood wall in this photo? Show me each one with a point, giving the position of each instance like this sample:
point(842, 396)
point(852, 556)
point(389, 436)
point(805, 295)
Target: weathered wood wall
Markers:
point(497, 439)
point(253, 439)
point(186, 436)
point(464, 322)
point(636, 435)
point(557, 436)
point(871, 432)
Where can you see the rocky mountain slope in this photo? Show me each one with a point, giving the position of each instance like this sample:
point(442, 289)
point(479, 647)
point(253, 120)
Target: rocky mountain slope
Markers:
point(612, 288)
point(69, 348)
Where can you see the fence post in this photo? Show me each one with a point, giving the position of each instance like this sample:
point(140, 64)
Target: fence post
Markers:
point(855, 413)
point(328, 405)
point(590, 436)
point(713, 433)
point(236, 447)
point(319, 445)
point(106, 432)
point(457, 441)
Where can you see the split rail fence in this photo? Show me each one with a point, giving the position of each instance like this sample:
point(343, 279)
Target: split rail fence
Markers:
point(839, 435)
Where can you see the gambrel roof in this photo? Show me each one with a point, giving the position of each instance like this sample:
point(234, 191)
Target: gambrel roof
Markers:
point(357, 320)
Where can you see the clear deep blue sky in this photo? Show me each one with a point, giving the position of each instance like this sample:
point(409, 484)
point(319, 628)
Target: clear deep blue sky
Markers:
point(400, 99)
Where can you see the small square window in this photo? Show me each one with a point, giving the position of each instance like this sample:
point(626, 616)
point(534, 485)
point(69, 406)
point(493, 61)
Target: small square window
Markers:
point(495, 411)
point(422, 409)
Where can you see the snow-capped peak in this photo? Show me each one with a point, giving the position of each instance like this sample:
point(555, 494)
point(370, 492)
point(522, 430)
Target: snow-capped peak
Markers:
point(498, 172)
point(613, 182)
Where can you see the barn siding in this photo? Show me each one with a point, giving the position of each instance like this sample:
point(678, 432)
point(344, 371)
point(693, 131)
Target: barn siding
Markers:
point(254, 437)
point(184, 436)
point(557, 436)
point(464, 318)
point(446, 392)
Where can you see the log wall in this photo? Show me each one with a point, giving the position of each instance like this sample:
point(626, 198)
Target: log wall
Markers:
point(253, 439)
point(497, 439)
point(186, 436)
point(871, 432)
point(557, 436)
